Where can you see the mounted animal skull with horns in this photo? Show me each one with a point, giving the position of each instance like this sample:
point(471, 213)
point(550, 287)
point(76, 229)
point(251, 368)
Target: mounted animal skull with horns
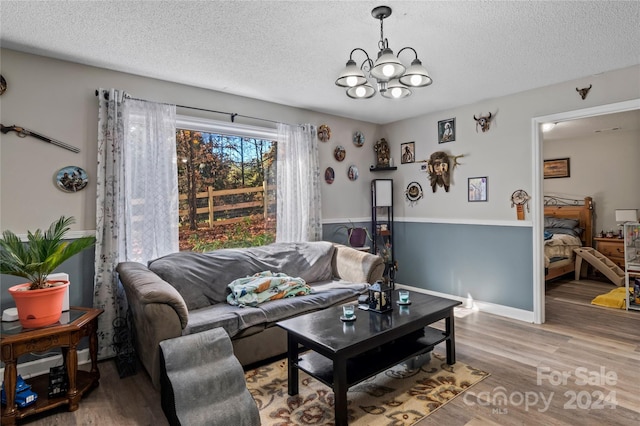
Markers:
point(584, 91)
point(484, 122)
point(440, 170)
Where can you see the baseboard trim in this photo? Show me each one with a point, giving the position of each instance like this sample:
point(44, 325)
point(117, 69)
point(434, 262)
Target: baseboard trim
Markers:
point(41, 366)
point(491, 308)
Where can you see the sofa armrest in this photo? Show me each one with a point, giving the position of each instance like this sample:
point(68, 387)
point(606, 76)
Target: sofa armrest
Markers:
point(356, 266)
point(158, 312)
point(144, 287)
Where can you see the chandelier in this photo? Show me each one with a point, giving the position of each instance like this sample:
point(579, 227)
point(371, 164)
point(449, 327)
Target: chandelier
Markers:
point(393, 79)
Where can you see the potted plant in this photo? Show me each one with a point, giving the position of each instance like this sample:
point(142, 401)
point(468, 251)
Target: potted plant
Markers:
point(39, 302)
point(356, 235)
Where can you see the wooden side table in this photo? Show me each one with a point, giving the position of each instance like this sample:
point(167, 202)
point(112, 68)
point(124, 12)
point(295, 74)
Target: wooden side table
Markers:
point(613, 248)
point(66, 334)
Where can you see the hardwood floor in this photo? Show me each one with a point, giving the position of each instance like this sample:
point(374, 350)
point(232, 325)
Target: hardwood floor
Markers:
point(600, 346)
point(586, 343)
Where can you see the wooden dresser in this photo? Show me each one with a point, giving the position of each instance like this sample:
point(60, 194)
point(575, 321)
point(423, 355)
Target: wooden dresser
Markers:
point(613, 248)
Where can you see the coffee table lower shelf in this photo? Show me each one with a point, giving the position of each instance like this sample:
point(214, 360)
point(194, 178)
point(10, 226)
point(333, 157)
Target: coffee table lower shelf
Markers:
point(373, 362)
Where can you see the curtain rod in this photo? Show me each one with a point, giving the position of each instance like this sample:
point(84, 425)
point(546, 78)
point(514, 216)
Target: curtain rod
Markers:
point(232, 115)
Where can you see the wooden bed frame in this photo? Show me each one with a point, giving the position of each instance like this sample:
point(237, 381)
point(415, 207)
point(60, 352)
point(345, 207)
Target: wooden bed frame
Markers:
point(567, 208)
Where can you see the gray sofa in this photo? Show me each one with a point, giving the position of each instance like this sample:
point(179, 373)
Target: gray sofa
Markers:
point(184, 293)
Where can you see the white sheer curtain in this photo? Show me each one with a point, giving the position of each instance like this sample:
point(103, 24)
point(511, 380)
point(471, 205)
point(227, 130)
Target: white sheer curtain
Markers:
point(299, 205)
point(137, 197)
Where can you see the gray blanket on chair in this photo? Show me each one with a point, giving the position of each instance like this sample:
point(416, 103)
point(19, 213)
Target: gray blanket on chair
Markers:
point(203, 383)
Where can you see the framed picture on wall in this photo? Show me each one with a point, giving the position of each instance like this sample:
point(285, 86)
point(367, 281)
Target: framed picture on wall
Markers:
point(558, 168)
point(447, 130)
point(408, 154)
point(478, 189)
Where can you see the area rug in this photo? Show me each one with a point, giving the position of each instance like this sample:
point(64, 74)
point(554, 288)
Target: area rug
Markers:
point(399, 396)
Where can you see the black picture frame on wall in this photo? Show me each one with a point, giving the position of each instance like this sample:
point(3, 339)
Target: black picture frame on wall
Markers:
point(478, 189)
point(447, 130)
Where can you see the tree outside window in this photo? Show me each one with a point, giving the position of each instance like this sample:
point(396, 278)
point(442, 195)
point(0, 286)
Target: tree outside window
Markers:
point(227, 195)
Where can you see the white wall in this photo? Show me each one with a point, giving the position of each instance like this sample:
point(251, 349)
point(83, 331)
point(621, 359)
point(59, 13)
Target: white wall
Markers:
point(57, 99)
point(503, 154)
point(605, 166)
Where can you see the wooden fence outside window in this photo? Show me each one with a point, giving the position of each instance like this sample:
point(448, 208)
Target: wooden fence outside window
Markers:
point(221, 213)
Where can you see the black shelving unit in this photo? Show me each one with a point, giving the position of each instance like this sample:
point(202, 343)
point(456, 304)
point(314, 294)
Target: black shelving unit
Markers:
point(382, 225)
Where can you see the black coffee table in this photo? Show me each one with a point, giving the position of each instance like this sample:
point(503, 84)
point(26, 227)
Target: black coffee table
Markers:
point(344, 354)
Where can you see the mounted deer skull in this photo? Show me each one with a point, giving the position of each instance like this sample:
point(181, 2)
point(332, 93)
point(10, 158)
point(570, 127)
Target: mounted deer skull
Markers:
point(584, 91)
point(484, 122)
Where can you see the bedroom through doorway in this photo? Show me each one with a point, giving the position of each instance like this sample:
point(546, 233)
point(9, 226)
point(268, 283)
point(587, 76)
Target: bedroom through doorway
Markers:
point(569, 125)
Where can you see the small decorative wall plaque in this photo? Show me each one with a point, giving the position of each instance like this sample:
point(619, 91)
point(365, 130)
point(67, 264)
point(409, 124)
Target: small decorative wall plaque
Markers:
point(71, 179)
point(358, 139)
point(329, 175)
point(324, 133)
point(352, 173)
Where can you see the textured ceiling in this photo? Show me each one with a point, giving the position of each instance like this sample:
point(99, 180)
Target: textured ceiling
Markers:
point(291, 52)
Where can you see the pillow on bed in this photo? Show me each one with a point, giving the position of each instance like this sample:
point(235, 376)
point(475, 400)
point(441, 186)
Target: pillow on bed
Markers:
point(576, 232)
point(557, 222)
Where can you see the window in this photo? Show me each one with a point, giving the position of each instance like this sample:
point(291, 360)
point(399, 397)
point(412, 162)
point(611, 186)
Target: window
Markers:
point(226, 184)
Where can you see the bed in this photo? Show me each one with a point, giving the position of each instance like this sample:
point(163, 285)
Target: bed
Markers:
point(568, 224)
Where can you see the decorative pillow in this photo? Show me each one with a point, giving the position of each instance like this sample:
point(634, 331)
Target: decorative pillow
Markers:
point(557, 222)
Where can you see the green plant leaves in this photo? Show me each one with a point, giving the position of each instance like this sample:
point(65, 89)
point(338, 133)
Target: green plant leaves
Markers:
point(43, 252)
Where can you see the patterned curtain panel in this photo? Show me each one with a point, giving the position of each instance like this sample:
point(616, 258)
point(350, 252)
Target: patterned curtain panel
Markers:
point(298, 185)
point(137, 198)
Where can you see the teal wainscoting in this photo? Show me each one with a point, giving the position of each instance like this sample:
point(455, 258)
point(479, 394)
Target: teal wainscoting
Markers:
point(491, 263)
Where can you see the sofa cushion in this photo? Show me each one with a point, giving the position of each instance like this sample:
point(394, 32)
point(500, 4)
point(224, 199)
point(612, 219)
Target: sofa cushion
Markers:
point(202, 278)
point(310, 261)
point(236, 319)
point(233, 319)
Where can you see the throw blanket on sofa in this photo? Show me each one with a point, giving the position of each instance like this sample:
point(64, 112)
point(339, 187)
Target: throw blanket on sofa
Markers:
point(265, 286)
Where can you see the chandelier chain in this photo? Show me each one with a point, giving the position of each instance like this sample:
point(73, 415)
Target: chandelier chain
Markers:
point(383, 43)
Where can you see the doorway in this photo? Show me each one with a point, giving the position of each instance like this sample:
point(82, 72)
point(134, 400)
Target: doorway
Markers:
point(538, 190)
